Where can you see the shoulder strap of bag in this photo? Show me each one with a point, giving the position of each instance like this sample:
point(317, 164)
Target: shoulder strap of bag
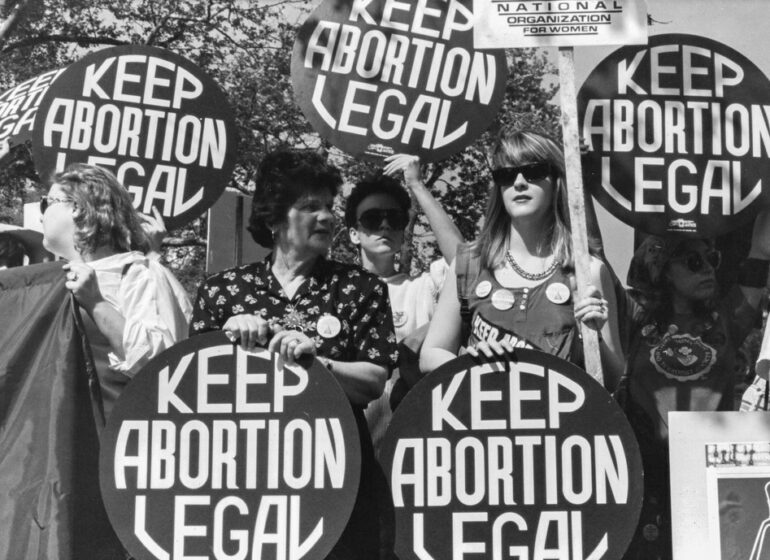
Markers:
point(467, 271)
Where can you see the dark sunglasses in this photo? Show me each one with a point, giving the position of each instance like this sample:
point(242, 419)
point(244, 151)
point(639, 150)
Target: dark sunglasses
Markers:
point(372, 219)
point(696, 262)
point(46, 201)
point(531, 172)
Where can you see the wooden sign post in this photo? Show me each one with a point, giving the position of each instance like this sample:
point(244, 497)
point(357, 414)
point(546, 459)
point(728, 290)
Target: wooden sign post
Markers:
point(527, 24)
point(576, 199)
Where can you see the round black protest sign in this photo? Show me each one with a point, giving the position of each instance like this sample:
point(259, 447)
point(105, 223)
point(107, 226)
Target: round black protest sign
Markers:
point(381, 77)
point(214, 451)
point(18, 106)
point(679, 132)
point(528, 458)
point(148, 115)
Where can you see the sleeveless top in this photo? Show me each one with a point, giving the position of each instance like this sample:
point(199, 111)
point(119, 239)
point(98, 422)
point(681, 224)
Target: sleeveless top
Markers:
point(533, 320)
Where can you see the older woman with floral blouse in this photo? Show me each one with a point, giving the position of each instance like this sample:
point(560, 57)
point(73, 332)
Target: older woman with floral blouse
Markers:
point(296, 302)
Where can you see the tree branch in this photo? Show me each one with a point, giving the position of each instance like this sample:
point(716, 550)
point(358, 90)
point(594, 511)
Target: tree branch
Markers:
point(79, 39)
point(13, 19)
point(183, 242)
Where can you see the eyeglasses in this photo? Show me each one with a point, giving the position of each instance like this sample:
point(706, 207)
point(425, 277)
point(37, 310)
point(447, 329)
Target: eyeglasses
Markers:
point(372, 219)
point(531, 172)
point(696, 262)
point(46, 201)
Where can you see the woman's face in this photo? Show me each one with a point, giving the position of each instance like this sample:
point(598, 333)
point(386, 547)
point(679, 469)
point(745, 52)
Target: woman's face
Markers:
point(309, 226)
point(59, 224)
point(387, 236)
point(527, 190)
point(692, 274)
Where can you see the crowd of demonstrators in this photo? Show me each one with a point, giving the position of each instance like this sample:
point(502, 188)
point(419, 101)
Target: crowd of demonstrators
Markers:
point(135, 308)
point(376, 214)
point(513, 286)
point(682, 353)
point(297, 302)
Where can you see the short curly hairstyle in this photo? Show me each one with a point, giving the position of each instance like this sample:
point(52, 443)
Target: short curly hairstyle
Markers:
point(104, 214)
point(375, 184)
point(284, 176)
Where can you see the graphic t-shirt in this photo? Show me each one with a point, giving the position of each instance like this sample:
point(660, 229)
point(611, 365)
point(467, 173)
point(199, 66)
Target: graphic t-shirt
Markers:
point(688, 364)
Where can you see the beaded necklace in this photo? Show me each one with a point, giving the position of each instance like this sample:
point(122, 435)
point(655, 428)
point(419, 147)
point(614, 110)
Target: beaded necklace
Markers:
point(534, 277)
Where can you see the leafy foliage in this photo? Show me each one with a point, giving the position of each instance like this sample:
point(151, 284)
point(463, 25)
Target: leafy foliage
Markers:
point(246, 47)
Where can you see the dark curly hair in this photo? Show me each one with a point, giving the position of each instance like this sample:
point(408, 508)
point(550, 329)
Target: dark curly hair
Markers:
point(375, 184)
point(283, 177)
point(104, 214)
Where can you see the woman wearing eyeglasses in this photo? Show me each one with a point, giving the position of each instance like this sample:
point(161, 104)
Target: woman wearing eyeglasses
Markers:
point(135, 308)
point(517, 277)
point(682, 354)
point(297, 302)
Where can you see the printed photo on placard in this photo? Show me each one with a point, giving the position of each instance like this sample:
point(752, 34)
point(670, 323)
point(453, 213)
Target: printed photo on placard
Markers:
point(678, 135)
point(738, 476)
point(720, 485)
point(150, 116)
point(380, 77)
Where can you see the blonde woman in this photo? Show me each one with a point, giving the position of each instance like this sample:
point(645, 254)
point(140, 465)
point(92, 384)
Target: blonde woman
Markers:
point(516, 281)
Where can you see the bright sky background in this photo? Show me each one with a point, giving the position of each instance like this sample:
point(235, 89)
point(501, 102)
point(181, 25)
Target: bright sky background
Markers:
point(743, 25)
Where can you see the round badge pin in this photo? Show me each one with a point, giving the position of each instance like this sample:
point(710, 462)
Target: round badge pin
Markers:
point(399, 318)
point(503, 299)
point(557, 293)
point(328, 326)
point(483, 288)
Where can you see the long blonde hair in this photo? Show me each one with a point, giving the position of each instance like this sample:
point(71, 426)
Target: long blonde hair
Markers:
point(514, 148)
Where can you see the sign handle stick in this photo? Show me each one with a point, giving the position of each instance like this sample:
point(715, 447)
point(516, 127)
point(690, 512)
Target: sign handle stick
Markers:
point(576, 199)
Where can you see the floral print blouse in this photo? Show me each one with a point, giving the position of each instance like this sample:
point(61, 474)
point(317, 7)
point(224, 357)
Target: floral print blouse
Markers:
point(342, 307)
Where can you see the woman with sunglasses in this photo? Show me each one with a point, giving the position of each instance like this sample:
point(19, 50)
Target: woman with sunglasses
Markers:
point(682, 354)
point(135, 308)
point(298, 303)
point(376, 214)
point(517, 277)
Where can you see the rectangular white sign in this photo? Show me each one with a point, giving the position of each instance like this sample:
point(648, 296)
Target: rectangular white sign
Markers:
point(720, 485)
point(558, 23)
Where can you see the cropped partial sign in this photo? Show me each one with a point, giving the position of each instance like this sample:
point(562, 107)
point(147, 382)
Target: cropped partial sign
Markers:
point(148, 115)
point(720, 485)
point(679, 135)
point(18, 107)
point(523, 458)
point(382, 77)
point(562, 23)
point(215, 452)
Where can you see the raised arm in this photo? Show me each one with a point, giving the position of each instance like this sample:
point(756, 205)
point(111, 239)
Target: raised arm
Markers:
point(447, 234)
point(442, 342)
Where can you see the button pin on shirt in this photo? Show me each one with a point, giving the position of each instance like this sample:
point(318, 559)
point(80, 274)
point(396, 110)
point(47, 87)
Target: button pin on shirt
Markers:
point(503, 299)
point(328, 326)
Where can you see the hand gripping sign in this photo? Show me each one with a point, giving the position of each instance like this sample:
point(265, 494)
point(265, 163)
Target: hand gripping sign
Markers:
point(212, 451)
point(527, 458)
point(380, 77)
point(679, 135)
point(150, 116)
